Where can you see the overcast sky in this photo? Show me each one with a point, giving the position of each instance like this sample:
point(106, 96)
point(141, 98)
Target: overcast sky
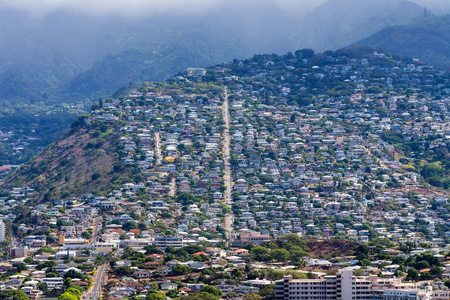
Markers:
point(144, 7)
point(148, 7)
point(435, 5)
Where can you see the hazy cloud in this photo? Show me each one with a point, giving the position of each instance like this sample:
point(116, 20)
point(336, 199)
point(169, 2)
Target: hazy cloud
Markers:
point(436, 6)
point(182, 7)
point(146, 7)
point(121, 7)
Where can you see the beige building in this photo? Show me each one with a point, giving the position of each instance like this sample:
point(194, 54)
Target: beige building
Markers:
point(162, 242)
point(104, 248)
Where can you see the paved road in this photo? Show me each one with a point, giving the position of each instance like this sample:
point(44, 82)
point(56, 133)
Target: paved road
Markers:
point(227, 177)
point(173, 187)
point(94, 238)
point(14, 241)
point(98, 281)
point(158, 148)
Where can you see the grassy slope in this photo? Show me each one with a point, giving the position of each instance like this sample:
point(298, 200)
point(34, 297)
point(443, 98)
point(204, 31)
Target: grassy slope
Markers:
point(81, 161)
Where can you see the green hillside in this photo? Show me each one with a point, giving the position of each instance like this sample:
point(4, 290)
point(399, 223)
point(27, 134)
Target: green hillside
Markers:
point(172, 51)
point(65, 61)
point(69, 57)
point(427, 39)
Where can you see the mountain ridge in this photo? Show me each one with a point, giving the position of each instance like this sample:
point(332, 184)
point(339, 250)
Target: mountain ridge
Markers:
point(76, 47)
point(426, 39)
point(336, 23)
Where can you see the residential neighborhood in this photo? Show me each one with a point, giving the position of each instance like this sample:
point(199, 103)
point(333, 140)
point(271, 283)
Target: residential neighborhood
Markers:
point(254, 178)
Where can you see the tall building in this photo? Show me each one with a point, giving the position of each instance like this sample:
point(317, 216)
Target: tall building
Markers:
point(2, 231)
point(342, 286)
point(16, 252)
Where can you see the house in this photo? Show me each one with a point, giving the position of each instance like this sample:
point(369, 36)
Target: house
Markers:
point(196, 71)
point(167, 286)
point(215, 251)
point(255, 239)
point(142, 274)
point(152, 265)
point(194, 287)
point(226, 288)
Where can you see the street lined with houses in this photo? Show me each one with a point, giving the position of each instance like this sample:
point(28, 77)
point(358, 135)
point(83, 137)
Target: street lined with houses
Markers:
point(230, 179)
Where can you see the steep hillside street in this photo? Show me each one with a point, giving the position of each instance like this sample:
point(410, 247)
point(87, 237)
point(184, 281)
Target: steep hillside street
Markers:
point(158, 148)
point(236, 176)
point(228, 176)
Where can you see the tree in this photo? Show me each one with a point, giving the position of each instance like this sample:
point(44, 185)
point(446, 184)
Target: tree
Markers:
point(412, 273)
point(362, 249)
point(20, 267)
point(201, 296)
point(423, 264)
point(185, 199)
point(307, 53)
point(87, 235)
point(436, 271)
point(29, 261)
point(232, 295)
point(72, 293)
point(281, 255)
point(252, 296)
point(73, 274)
point(181, 269)
point(191, 249)
point(297, 254)
point(398, 260)
point(155, 295)
point(46, 264)
point(151, 249)
point(13, 295)
point(364, 262)
point(268, 292)
point(123, 271)
point(172, 293)
point(212, 290)
point(67, 296)
point(290, 240)
point(129, 225)
point(259, 253)
point(292, 118)
point(67, 282)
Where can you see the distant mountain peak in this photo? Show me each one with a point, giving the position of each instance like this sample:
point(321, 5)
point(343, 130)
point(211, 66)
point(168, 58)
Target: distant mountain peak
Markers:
point(337, 23)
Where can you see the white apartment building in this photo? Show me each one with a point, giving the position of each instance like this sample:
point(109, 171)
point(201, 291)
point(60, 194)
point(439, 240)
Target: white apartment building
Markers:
point(342, 286)
point(416, 294)
point(53, 283)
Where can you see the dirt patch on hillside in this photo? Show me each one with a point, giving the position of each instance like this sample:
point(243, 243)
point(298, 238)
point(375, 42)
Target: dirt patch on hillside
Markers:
point(330, 248)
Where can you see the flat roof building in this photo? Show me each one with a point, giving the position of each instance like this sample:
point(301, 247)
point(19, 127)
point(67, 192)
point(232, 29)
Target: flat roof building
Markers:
point(162, 242)
point(342, 286)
